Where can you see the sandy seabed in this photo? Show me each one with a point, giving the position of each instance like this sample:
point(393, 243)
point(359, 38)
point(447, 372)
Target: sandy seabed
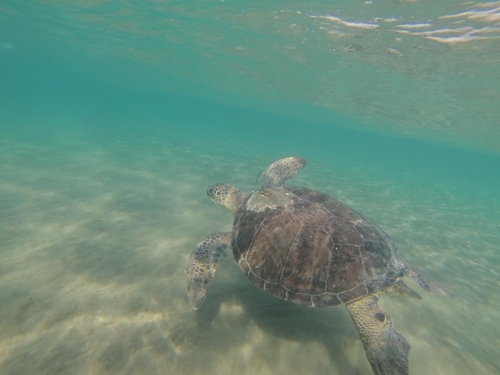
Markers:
point(95, 236)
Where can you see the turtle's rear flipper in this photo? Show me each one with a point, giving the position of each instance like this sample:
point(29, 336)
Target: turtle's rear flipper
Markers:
point(202, 265)
point(426, 282)
point(401, 289)
point(386, 349)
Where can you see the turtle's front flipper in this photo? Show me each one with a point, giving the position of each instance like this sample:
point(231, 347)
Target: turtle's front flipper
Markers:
point(281, 171)
point(426, 282)
point(202, 265)
point(386, 349)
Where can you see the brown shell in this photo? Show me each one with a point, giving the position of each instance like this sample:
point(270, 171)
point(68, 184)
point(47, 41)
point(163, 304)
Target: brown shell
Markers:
point(317, 252)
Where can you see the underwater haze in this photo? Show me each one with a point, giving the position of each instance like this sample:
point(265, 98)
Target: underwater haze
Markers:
point(115, 117)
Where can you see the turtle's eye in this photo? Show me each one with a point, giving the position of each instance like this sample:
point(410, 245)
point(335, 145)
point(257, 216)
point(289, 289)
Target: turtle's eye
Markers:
point(380, 316)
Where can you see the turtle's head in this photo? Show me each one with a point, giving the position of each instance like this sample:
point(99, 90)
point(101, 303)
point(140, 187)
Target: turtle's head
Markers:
point(226, 195)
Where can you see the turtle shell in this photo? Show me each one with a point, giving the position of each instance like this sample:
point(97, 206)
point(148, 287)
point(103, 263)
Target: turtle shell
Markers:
point(314, 251)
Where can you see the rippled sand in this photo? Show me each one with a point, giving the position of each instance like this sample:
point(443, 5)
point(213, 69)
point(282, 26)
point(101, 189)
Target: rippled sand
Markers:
point(96, 231)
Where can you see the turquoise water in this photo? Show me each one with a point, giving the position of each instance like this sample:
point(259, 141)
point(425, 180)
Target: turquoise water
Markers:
point(116, 116)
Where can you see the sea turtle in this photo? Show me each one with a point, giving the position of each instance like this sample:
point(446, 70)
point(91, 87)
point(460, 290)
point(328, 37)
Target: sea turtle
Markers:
point(305, 247)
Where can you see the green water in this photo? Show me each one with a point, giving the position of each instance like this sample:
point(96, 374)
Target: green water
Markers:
point(116, 116)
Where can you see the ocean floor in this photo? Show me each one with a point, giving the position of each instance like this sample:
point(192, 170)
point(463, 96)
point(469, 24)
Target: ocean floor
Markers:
point(96, 227)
